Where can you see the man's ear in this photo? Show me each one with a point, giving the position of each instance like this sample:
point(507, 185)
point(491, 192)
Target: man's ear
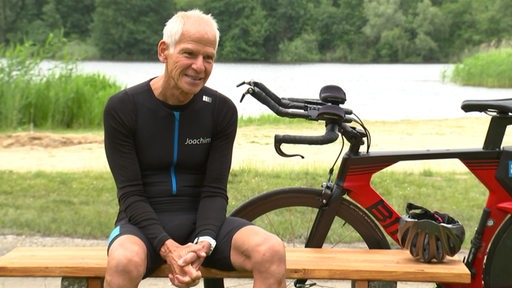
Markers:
point(163, 51)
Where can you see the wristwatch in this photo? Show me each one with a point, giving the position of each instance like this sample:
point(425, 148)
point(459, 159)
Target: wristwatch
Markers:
point(207, 239)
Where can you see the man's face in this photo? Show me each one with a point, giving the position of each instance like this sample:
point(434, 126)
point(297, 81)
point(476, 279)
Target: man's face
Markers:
point(190, 64)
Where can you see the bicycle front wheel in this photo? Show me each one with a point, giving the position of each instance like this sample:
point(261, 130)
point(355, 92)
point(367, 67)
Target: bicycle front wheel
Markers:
point(290, 213)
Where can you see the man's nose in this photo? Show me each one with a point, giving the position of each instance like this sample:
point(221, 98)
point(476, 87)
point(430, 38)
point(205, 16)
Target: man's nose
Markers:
point(199, 64)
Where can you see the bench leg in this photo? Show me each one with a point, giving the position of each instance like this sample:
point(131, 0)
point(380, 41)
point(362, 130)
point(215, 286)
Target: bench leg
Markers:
point(360, 284)
point(70, 282)
point(95, 283)
point(213, 282)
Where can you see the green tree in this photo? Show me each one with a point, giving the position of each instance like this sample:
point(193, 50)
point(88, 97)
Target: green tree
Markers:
point(243, 26)
point(338, 24)
point(16, 18)
point(129, 29)
point(271, 30)
point(47, 23)
point(302, 49)
point(189, 4)
point(503, 19)
point(405, 31)
point(385, 29)
point(496, 21)
point(10, 11)
point(287, 20)
point(463, 17)
point(76, 17)
point(430, 28)
point(36, 20)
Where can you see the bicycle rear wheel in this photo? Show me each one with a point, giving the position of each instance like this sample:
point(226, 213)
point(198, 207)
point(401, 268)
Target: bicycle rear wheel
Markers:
point(497, 268)
point(290, 213)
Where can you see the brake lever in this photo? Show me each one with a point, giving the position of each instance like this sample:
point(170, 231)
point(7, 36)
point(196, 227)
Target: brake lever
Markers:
point(249, 90)
point(280, 152)
point(243, 96)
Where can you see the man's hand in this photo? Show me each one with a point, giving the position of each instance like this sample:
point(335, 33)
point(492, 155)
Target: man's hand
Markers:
point(184, 262)
point(196, 255)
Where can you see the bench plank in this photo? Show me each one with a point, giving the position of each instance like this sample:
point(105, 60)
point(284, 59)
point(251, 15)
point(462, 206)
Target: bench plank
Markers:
point(310, 263)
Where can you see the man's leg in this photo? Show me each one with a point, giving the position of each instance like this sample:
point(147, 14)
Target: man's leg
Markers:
point(126, 263)
point(261, 252)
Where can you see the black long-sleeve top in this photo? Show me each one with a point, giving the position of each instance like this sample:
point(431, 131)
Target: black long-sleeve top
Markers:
point(165, 157)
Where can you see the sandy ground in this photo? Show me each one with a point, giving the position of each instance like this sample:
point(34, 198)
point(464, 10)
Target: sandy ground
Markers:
point(29, 151)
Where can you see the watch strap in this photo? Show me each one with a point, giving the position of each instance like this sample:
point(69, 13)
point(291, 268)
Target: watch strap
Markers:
point(207, 239)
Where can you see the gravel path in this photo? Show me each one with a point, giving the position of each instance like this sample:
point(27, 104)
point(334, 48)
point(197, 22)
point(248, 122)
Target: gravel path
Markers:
point(8, 242)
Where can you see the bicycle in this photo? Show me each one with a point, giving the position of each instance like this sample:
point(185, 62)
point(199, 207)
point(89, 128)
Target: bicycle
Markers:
point(349, 205)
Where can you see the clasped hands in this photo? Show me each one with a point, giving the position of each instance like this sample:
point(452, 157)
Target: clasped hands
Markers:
point(184, 262)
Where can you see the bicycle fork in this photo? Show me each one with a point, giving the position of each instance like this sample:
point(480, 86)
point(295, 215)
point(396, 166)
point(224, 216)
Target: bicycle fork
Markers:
point(476, 242)
point(323, 220)
point(330, 202)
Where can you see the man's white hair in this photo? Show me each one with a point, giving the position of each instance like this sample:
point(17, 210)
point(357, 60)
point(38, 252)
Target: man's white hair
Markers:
point(174, 27)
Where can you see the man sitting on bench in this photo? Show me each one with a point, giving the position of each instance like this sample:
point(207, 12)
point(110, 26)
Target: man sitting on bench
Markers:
point(169, 143)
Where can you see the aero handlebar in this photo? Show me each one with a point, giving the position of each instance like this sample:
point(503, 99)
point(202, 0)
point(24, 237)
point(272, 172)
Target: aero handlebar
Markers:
point(328, 110)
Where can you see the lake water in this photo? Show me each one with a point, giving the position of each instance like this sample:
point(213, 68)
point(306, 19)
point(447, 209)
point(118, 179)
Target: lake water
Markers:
point(374, 91)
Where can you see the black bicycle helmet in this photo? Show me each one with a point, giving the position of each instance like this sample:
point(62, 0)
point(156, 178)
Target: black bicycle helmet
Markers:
point(429, 235)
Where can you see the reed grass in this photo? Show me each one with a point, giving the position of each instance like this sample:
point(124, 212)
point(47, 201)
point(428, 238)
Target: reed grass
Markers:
point(38, 96)
point(491, 69)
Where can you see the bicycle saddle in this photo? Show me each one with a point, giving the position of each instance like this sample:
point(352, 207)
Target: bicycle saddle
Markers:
point(500, 106)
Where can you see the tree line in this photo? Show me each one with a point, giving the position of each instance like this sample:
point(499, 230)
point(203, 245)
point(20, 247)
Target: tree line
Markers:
point(355, 31)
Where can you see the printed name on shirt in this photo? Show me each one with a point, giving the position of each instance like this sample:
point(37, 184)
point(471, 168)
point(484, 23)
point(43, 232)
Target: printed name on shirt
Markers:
point(197, 141)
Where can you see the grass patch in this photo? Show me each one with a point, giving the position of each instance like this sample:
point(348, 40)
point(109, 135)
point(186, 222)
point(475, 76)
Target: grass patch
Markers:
point(83, 204)
point(57, 203)
point(268, 119)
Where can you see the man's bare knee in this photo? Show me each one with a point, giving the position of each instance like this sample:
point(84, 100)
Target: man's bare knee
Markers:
point(126, 262)
point(270, 251)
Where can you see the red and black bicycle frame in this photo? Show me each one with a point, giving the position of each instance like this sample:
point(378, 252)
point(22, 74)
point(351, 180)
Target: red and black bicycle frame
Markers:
point(492, 168)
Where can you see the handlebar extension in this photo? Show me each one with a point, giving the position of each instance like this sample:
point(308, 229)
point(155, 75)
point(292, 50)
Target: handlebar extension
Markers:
point(275, 106)
point(296, 108)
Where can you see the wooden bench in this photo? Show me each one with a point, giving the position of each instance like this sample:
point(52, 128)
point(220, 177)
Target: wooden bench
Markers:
point(347, 264)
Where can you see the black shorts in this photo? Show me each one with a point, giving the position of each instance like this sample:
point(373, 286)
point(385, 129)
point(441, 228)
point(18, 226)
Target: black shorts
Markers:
point(181, 232)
